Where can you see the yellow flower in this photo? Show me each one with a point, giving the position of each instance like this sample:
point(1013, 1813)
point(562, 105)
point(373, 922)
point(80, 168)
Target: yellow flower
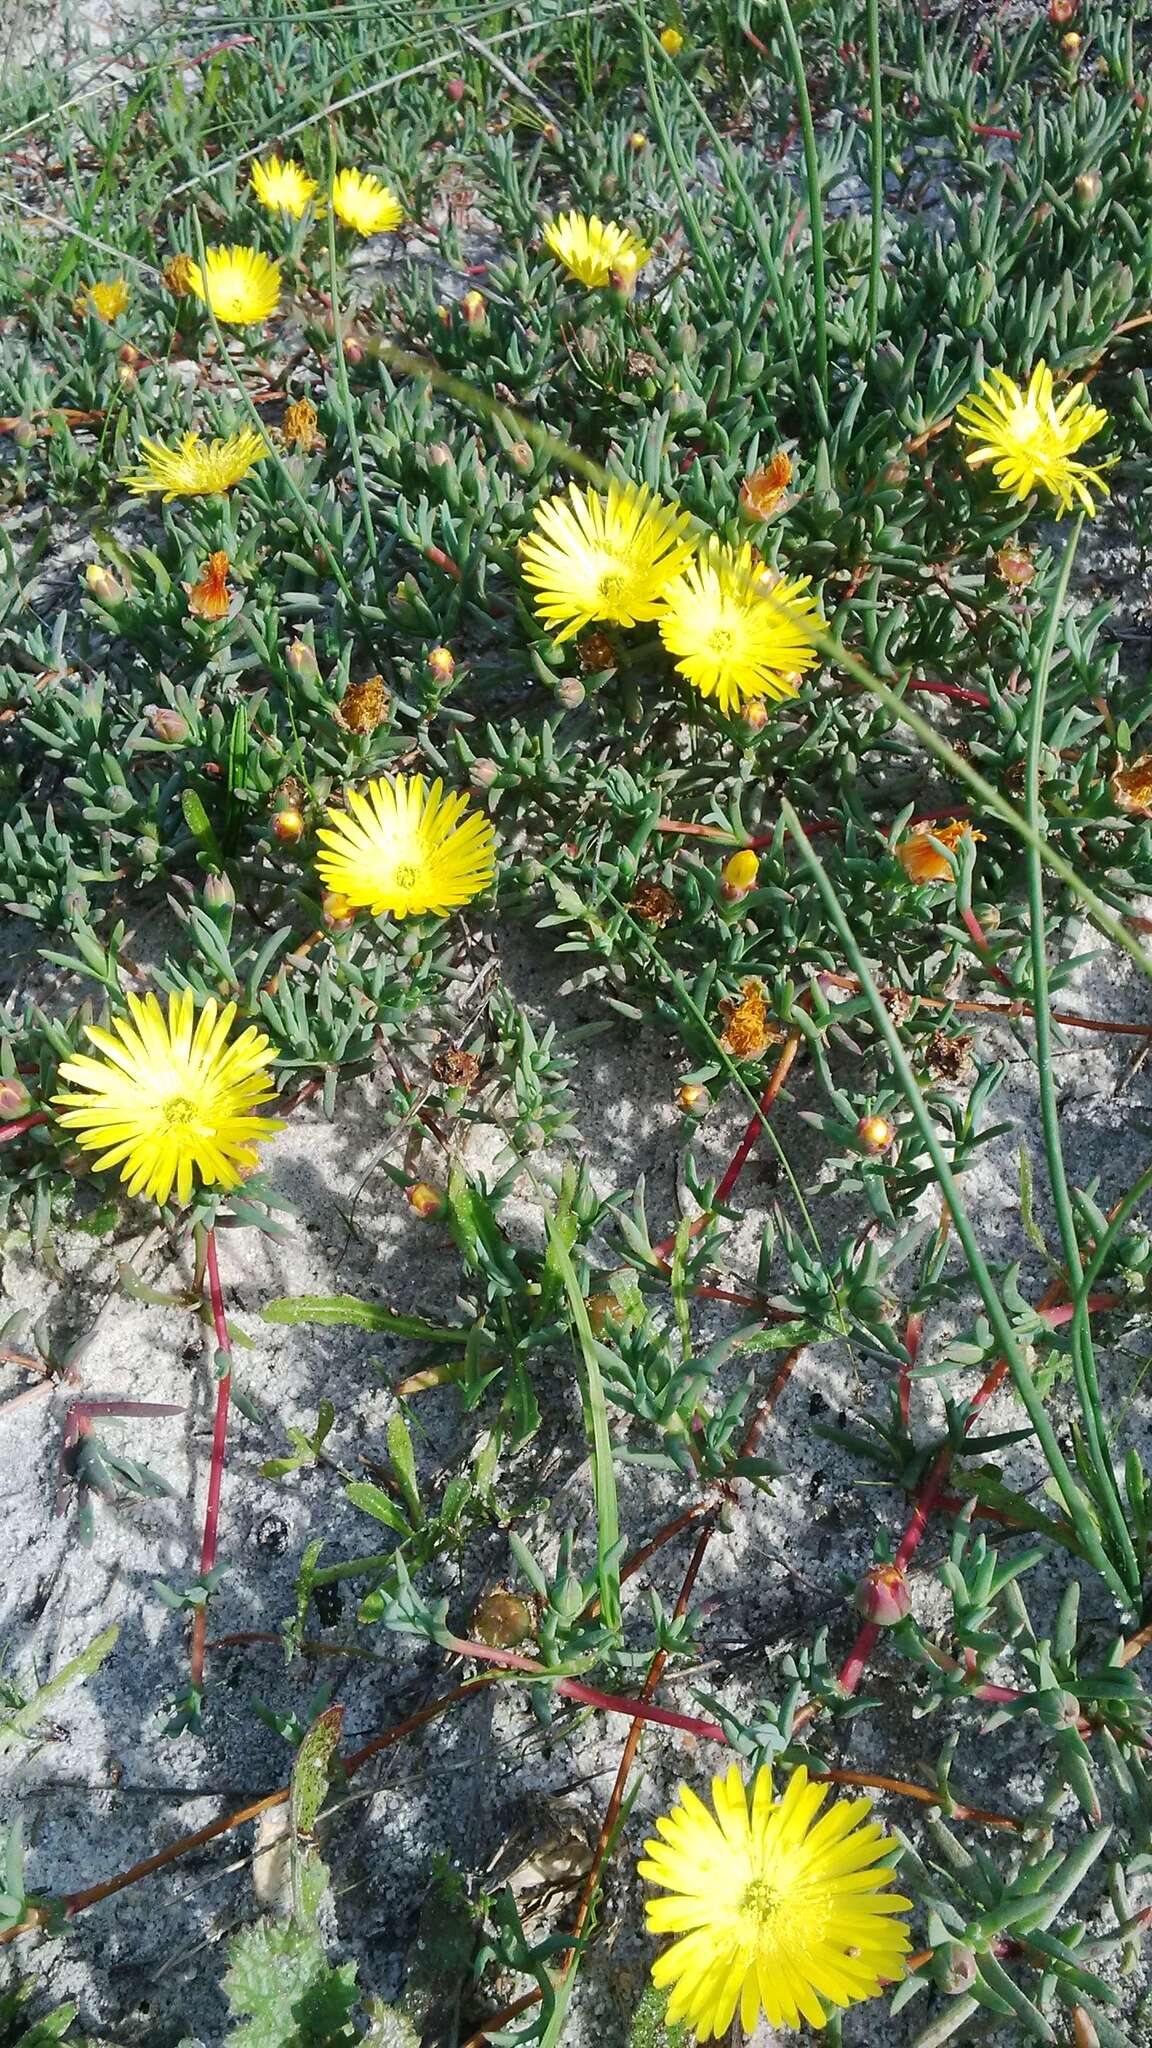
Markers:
point(107, 301)
point(595, 557)
point(402, 849)
point(239, 285)
point(776, 1911)
point(671, 42)
point(171, 1098)
point(195, 469)
point(595, 250)
point(733, 636)
point(282, 187)
point(1030, 440)
point(363, 202)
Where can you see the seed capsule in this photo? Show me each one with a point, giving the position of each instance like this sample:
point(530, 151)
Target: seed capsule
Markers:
point(875, 1134)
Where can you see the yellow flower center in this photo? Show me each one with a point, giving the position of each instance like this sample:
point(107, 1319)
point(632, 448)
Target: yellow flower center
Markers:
point(610, 586)
point(761, 1902)
point(178, 1111)
point(721, 640)
point(406, 875)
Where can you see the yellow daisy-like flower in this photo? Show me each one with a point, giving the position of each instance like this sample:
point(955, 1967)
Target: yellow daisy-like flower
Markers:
point(733, 634)
point(1030, 440)
point(776, 1910)
point(603, 557)
point(595, 250)
point(241, 286)
point(362, 201)
point(171, 1097)
point(195, 469)
point(283, 187)
point(106, 300)
point(402, 848)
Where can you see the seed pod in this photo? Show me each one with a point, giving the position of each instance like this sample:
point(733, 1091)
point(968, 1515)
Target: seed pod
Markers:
point(502, 1620)
point(570, 692)
point(693, 1098)
point(24, 434)
point(288, 827)
point(875, 1134)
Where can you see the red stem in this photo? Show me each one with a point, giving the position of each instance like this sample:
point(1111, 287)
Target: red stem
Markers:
point(573, 1689)
point(979, 939)
point(216, 1470)
point(955, 690)
point(22, 1123)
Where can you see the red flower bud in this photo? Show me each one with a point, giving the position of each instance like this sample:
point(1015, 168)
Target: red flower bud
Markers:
point(882, 1596)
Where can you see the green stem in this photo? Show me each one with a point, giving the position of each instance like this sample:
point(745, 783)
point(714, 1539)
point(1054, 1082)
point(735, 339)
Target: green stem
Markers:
point(596, 1408)
point(815, 202)
point(1077, 1508)
point(876, 161)
point(346, 407)
point(1081, 1352)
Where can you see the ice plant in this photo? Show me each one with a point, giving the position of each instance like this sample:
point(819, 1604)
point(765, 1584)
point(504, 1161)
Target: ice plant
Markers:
point(777, 1911)
point(748, 1029)
point(595, 251)
point(283, 187)
point(603, 556)
point(732, 636)
point(170, 1097)
point(763, 492)
point(195, 468)
point(240, 286)
point(106, 300)
point(1030, 440)
point(407, 850)
point(211, 597)
point(365, 203)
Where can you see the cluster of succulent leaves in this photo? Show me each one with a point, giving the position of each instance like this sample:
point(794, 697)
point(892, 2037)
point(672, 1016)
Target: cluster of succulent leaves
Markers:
point(147, 756)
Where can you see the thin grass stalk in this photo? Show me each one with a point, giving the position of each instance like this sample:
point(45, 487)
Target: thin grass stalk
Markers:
point(876, 165)
point(815, 201)
point(1104, 1488)
point(346, 405)
point(688, 214)
point(1075, 1505)
point(596, 1410)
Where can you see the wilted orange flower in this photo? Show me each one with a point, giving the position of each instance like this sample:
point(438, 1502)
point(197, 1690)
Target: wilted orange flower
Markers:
point(298, 427)
point(748, 1029)
point(1015, 567)
point(364, 706)
point(1132, 786)
point(919, 855)
point(212, 596)
point(762, 493)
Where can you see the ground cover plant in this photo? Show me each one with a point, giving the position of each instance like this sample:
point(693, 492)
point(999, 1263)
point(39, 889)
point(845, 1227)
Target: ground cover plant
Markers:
point(663, 497)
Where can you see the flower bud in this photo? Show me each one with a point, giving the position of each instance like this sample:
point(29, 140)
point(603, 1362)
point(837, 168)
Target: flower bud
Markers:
point(896, 473)
point(426, 1201)
point(958, 1969)
point(522, 457)
point(1086, 190)
point(738, 875)
point(336, 911)
point(14, 1098)
point(103, 585)
point(288, 827)
point(130, 355)
point(1084, 2032)
point(671, 42)
point(438, 455)
point(177, 275)
point(754, 714)
point(474, 307)
point(570, 692)
point(168, 724)
point(693, 1098)
point(1070, 45)
point(882, 1596)
point(502, 1620)
point(637, 140)
point(24, 434)
point(601, 1309)
point(550, 133)
point(127, 376)
point(875, 1134)
point(353, 350)
point(302, 662)
point(218, 893)
point(482, 774)
point(441, 664)
point(455, 89)
point(1061, 12)
point(1015, 567)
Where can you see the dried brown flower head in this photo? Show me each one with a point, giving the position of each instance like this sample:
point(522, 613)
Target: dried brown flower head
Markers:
point(177, 274)
point(456, 1068)
point(653, 904)
point(1132, 787)
point(365, 705)
point(595, 653)
point(298, 428)
point(948, 1058)
point(748, 1029)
